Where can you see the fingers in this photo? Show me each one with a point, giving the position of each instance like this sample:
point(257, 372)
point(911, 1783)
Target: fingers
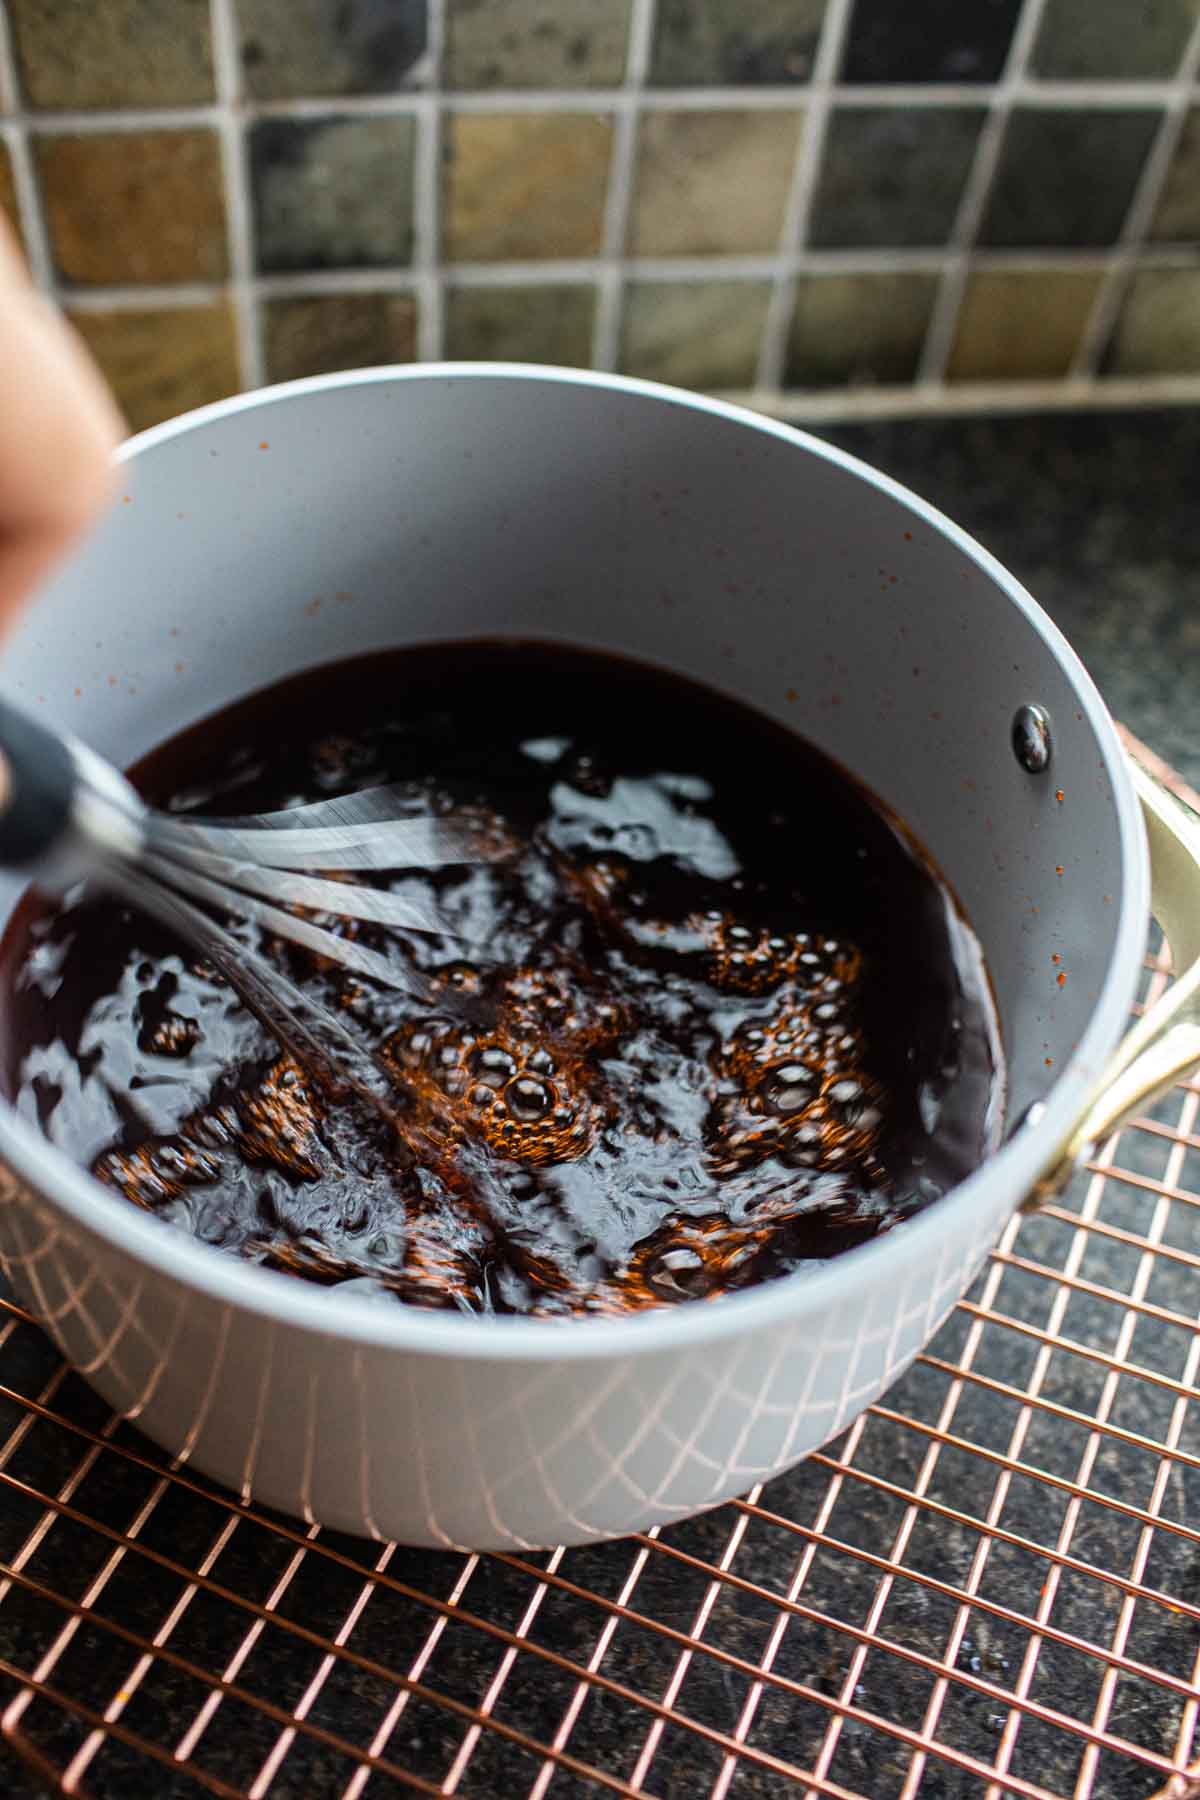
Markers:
point(58, 429)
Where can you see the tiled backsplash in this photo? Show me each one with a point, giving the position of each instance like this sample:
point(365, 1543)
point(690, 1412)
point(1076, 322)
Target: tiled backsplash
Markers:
point(820, 205)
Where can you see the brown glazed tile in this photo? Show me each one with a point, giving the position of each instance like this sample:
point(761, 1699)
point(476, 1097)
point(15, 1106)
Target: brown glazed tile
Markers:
point(712, 182)
point(1083, 39)
point(551, 324)
point(858, 329)
point(8, 193)
point(113, 53)
point(525, 185)
point(332, 193)
point(1177, 216)
point(163, 361)
point(1021, 324)
point(1158, 327)
point(134, 206)
point(694, 334)
point(320, 333)
point(734, 43)
point(536, 43)
point(292, 48)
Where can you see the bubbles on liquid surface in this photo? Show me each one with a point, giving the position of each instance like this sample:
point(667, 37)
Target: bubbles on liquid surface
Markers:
point(789, 1087)
point(528, 1098)
point(661, 1086)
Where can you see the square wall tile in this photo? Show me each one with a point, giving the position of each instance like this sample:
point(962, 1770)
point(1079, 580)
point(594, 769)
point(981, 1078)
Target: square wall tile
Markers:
point(893, 175)
point(134, 206)
point(536, 43)
point(928, 40)
point(734, 43)
point(1177, 216)
point(695, 334)
point(1021, 324)
point(551, 324)
point(1109, 39)
point(113, 53)
point(295, 48)
point(1065, 179)
point(8, 192)
point(163, 361)
point(712, 182)
point(315, 334)
point(1158, 327)
point(525, 185)
point(858, 330)
point(332, 193)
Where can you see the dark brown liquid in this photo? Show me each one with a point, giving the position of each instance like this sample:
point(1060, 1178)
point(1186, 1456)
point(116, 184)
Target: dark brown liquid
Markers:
point(713, 1021)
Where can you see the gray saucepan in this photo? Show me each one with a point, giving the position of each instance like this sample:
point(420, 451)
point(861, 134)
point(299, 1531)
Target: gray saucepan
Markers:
point(334, 516)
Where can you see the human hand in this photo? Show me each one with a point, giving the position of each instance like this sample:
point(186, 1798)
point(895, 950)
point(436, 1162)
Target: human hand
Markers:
point(58, 428)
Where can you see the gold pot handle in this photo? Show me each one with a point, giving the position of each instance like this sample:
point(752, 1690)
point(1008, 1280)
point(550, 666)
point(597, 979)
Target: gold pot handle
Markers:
point(1164, 1045)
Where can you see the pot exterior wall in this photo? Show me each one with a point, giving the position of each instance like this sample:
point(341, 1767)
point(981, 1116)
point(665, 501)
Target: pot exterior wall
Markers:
point(337, 517)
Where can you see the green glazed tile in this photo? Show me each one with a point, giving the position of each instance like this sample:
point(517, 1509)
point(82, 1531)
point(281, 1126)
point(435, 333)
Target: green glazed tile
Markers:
point(134, 206)
point(551, 324)
point(525, 185)
point(1021, 324)
point(536, 43)
point(332, 193)
point(1158, 327)
point(712, 182)
point(893, 175)
point(734, 43)
point(316, 334)
point(300, 47)
point(1066, 176)
point(113, 53)
point(858, 329)
point(1079, 39)
point(695, 334)
point(163, 361)
point(1177, 216)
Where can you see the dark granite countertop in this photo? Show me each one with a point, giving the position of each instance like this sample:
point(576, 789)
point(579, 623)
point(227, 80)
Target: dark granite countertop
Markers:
point(1099, 516)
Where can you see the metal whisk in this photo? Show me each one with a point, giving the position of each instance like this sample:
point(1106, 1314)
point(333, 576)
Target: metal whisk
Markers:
point(65, 814)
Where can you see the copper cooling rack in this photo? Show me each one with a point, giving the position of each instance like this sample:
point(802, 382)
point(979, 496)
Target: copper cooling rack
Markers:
point(989, 1586)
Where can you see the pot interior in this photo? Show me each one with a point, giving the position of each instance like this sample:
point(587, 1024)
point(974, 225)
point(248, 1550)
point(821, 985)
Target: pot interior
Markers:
point(339, 517)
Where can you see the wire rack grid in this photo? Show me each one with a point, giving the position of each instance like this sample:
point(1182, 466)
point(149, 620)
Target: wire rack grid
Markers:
point(989, 1586)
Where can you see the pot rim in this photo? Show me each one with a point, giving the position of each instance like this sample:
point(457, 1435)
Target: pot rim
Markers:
point(284, 1300)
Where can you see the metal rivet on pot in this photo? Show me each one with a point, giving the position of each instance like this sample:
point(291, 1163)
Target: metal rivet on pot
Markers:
point(1031, 739)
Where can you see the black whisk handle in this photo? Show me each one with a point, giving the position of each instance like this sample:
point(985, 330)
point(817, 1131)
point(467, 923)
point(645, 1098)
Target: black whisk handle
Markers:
point(38, 779)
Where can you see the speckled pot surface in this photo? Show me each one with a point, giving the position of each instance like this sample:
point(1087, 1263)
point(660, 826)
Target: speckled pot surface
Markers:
point(305, 523)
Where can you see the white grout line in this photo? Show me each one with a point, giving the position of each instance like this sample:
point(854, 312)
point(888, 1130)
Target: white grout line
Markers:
point(606, 338)
point(427, 197)
point(138, 299)
point(1070, 96)
point(402, 278)
point(809, 156)
point(939, 338)
point(228, 74)
point(1141, 211)
point(104, 123)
